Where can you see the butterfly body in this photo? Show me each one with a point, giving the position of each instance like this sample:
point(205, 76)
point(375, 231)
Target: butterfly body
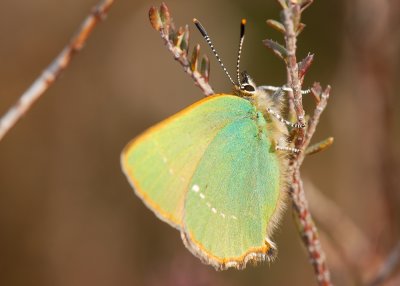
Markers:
point(212, 171)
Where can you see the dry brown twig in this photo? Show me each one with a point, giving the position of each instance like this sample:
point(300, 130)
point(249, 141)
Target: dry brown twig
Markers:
point(177, 42)
point(291, 27)
point(53, 71)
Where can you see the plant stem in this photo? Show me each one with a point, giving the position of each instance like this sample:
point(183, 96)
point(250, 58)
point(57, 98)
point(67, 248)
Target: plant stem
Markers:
point(53, 71)
point(306, 226)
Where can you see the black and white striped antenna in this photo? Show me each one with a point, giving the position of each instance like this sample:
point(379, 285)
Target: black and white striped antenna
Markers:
point(208, 40)
point(242, 26)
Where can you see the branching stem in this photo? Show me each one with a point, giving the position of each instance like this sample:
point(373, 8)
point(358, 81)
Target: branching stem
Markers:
point(307, 229)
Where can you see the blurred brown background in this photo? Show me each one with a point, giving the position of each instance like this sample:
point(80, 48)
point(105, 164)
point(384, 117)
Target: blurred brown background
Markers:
point(68, 215)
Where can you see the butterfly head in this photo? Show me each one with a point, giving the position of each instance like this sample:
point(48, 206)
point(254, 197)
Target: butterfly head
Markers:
point(246, 86)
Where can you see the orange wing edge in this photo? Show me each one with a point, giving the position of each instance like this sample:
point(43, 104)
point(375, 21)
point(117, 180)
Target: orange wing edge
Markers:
point(266, 252)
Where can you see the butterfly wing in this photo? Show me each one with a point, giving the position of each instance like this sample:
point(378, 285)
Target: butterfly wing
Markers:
point(234, 196)
point(160, 163)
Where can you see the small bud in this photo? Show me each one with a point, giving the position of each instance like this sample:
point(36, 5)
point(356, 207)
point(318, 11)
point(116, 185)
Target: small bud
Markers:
point(300, 28)
point(326, 92)
point(178, 37)
point(305, 3)
point(296, 16)
point(205, 68)
point(155, 19)
point(165, 17)
point(185, 40)
point(283, 4)
point(305, 64)
point(316, 91)
point(320, 146)
point(276, 25)
point(195, 57)
point(277, 48)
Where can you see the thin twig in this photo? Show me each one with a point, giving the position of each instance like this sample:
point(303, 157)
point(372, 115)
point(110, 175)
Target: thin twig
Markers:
point(182, 58)
point(308, 230)
point(389, 266)
point(291, 20)
point(177, 42)
point(291, 63)
point(314, 120)
point(53, 71)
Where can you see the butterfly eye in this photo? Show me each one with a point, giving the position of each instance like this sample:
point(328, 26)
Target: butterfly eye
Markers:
point(248, 87)
point(247, 83)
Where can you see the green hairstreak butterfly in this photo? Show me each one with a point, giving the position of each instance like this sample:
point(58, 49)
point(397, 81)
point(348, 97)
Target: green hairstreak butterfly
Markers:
point(216, 172)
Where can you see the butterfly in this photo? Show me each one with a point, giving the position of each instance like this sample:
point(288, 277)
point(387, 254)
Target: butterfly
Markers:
point(216, 171)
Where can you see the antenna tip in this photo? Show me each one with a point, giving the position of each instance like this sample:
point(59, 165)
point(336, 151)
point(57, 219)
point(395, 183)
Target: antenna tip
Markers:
point(195, 20)
point(244, 21)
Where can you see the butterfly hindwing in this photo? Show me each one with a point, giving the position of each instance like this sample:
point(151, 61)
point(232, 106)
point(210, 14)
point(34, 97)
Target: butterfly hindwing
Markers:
point(233, 196)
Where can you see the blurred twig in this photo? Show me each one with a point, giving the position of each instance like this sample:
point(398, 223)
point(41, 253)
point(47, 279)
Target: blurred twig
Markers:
point(177, 42)
point(349, 239)
point(53, 71)
point(373, 67)
point(389, 266)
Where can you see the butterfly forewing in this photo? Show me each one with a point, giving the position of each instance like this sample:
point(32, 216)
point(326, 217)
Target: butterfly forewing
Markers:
point(161, 162)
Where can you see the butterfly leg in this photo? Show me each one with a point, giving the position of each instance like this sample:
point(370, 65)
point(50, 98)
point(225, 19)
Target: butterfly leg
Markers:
point(272, 251)
point(281, 145)
point(283, 120)
point(288, 149)
point(282, 88)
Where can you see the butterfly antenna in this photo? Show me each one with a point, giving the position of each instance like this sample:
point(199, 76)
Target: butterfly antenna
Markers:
point(208, 40)
point(242, 26)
